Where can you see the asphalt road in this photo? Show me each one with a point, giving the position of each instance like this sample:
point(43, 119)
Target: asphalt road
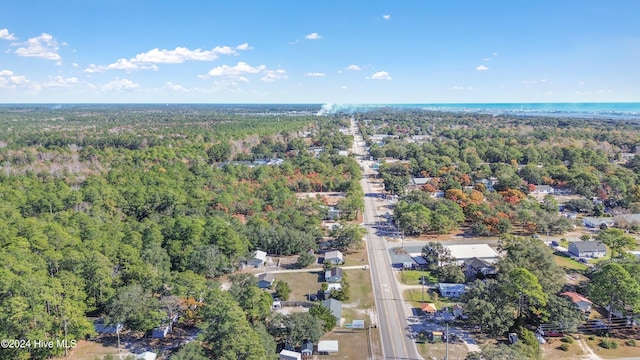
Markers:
point(390, 306)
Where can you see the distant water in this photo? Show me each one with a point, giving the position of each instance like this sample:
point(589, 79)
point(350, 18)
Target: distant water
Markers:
point(577, 110)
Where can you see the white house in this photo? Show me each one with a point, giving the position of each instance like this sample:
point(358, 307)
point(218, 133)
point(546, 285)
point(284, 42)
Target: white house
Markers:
point(465, 252)
point(596, 222)
point(451, 290)
point(543, 189)
point(334, 257)
point(587, 249)
point(258, 259)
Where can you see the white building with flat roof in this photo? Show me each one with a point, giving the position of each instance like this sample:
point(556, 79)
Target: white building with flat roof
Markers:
point(465, 252)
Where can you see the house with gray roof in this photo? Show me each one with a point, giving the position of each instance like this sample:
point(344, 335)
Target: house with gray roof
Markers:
point(335, 306)
point(333, 275)
point(587, 249)
point(265, 280)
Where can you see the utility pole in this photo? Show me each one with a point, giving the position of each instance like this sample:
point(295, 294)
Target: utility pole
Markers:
point(446, 356)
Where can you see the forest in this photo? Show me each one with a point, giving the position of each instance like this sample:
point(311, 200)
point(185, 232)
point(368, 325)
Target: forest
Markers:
point(133, 213)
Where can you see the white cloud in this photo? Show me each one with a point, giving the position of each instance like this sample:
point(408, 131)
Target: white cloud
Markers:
point(180, 55)
point(313, 36)
point(235, 72)
point(244, 46)
point(381, 75)
point(482, 68)
point(354, 67)
point(44, 46)
point(457, 88)
point(343, 87)
point(147, 60)
point(314, 74)
point(273, 75)
point(119, 85)
point(9, 80)
point(59, 81)
point(6, 35)
point(386, 16)
point(173, 86)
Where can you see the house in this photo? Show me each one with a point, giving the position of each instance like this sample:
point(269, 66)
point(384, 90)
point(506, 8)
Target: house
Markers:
point(451, 290)
point(464, 252)
point(335, 306)
point(331, 287)
point(147, 355)
point(334, 257)
point(333, 275)
point(543, 189)
point(259, 259)
point(582, 303)
point(306, 349)
point(333, 213)
point(289, 355)
point(343, 153)
point(587, 249)
point(474, 268)
point(429, 308)
point(327, 347)
point(101, 327)
point(265, 280)
point(597, 222)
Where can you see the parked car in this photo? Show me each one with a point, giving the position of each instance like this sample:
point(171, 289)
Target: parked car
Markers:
point(554, 333)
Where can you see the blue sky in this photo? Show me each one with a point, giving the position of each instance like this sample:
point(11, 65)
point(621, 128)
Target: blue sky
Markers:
point(277, 51)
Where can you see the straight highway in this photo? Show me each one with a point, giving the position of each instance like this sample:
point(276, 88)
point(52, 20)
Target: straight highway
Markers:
point(390, 306)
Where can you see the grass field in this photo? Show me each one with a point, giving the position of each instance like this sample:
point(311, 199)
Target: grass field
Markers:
point(438, 351)
point(568, 263)
point(301, 283)
point(412, 277)
point(360, 292)
point(415, 296)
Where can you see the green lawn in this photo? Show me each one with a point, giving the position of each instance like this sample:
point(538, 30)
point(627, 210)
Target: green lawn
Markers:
point(415, 296)
point(412, 277)
point(360, 291)
point(568, 263)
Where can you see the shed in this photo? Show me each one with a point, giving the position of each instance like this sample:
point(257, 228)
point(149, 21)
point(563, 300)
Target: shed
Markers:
point(326, 347)
point(307, 348)
point(289, 355)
